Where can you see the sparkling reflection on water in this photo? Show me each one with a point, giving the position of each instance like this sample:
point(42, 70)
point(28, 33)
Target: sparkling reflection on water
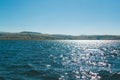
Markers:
point(59, 59)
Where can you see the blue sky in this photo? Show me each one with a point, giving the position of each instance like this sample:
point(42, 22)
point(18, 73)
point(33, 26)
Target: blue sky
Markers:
point(74, 17)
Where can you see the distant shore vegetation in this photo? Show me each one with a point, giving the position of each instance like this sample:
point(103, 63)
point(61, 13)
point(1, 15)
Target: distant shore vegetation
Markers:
point(25, 35)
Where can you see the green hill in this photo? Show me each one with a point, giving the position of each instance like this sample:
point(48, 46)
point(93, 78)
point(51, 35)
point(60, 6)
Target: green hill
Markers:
point(25, 35)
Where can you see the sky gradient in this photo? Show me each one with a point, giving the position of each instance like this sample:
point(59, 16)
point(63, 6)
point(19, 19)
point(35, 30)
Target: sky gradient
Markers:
point(74, 17)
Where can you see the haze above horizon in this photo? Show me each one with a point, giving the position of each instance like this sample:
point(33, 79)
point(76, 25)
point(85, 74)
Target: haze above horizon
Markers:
point(73, 17)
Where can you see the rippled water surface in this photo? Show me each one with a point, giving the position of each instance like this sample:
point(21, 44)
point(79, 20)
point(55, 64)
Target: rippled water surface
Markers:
point(59, 59)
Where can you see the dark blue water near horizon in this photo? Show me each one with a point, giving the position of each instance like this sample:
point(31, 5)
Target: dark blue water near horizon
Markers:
point(59, 59)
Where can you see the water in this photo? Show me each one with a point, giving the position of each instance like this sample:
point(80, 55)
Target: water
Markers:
point(59, 60)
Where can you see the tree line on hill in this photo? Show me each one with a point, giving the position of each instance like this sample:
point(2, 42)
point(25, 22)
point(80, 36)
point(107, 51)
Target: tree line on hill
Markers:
point(25, 35)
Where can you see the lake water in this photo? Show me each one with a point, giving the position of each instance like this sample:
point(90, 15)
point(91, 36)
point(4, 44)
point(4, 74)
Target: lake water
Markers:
point(59, 59)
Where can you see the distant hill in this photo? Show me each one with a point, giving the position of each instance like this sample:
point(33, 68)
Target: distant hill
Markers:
point(26, 35)
point(28, 32)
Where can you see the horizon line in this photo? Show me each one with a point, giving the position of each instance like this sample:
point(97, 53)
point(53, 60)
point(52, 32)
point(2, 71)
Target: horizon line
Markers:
point(62, 33)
